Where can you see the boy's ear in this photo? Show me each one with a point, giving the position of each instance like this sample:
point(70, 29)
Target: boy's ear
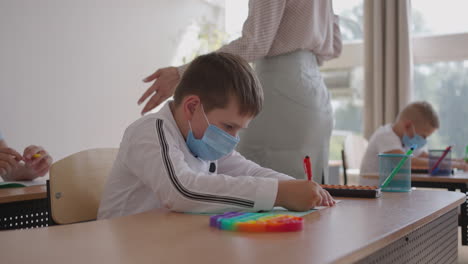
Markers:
point(190, 105)
point(407, 124)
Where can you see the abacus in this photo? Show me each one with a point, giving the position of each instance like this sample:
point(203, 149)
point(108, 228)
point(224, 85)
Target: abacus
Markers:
point(353, 191)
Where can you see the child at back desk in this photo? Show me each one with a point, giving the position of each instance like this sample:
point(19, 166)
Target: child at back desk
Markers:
point(414, 124)
point(182, 157)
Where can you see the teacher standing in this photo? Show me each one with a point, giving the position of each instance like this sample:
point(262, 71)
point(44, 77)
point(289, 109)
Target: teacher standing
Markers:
point(287, 40)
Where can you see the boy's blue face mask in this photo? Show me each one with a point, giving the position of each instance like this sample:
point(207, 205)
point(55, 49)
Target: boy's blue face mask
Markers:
point(415, 140)
point(214, 144)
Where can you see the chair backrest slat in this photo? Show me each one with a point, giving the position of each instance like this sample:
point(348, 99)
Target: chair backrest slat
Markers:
point(354, 149)
point(76, 184)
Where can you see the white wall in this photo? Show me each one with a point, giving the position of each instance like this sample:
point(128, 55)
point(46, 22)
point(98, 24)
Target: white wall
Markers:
point(71, 70)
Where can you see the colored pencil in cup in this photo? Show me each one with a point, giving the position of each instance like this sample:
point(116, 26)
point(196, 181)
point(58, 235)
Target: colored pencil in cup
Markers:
point(435, 168)
point(398, 167)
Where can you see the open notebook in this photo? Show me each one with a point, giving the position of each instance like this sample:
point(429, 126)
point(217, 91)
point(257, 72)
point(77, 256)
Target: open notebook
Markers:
point(280, 210)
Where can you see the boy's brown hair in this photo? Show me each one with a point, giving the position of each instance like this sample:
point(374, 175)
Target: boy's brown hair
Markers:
point(218, 76)
point(420, 113)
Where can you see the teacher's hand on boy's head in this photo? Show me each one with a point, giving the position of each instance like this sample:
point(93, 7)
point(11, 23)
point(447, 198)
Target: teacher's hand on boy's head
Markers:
point(9, 159)
point(298, 195)
point(38, 160)
point(163, 87)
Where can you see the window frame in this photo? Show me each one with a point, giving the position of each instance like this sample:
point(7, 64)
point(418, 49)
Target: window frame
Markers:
point(426, 49)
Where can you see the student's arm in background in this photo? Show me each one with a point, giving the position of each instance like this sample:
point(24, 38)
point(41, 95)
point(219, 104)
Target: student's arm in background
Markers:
point(237, 165)
point(460, 164)
point(33, 167)
point(9, 160)
point(416, 162)
point(424, 154)
point(12, 170)
point(422, 161)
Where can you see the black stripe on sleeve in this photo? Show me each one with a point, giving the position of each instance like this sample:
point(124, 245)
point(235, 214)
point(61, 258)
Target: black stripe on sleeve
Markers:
point(184, 191)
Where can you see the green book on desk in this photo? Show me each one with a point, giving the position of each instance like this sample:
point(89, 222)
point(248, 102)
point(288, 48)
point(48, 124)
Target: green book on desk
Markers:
point(19, 184)
point(4, 185)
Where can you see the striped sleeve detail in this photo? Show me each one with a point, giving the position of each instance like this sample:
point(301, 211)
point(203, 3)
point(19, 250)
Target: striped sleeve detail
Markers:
point(184, 191)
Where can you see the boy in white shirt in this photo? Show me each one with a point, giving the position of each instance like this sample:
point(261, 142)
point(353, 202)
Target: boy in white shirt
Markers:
point(414, 124)
point(182, 157)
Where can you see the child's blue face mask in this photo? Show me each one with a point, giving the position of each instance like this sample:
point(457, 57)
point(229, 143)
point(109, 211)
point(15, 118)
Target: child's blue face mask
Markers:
point(415, 140)
point(214, 144)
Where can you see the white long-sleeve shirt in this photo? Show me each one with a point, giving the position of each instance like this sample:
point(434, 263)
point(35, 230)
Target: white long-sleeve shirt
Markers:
point(275, 27)
point(383, 140)
point(154, 168)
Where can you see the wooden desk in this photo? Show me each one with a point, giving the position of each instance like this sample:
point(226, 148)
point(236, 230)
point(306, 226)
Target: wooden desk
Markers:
point(25, 207)
point(9, 195)
point(355, 230)
point(459, 181)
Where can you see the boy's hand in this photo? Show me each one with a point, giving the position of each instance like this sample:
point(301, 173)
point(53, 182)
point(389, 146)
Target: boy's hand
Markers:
point(327, 199)
point(301, 195)
point(9, 159)
point(38, 160)
point(463, 166)
point(163, 87)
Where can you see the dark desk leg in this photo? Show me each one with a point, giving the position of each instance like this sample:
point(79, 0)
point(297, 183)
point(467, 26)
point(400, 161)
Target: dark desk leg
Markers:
point(49, 205)
point(464, 218)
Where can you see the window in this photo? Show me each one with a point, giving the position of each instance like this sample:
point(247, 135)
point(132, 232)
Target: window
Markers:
point(204, 34)
point(429, 20)
point(344, 76)
point(235, 14)
point(441, 68)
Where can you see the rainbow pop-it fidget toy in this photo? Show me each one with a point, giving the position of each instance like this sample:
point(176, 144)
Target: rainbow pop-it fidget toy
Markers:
point(257, 222)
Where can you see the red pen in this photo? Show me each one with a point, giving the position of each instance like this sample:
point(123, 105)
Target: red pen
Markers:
point(308, 168)
point(441, 158)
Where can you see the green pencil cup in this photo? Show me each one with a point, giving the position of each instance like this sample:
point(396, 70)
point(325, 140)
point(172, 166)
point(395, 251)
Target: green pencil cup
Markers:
point(401, 182)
